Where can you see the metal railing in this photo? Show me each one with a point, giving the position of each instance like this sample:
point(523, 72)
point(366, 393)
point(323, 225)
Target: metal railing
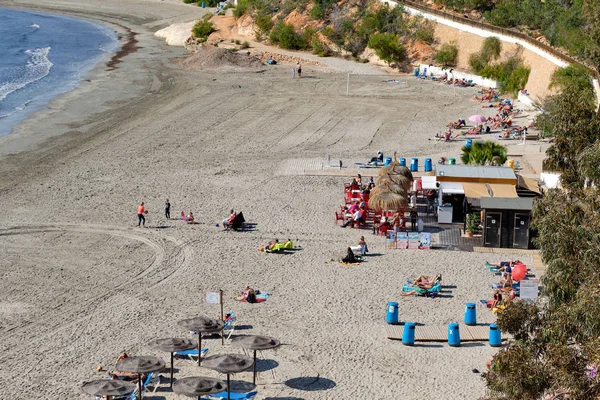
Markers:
point(503, 31)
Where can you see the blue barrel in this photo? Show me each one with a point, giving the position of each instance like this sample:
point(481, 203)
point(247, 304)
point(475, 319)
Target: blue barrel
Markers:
point(414, 164)
point(403, 162)
point(388, 161)
point(470, 314)
point(408, 335)
point(203, 5)
point(453, 335)
point(468, 143)
point(416, 72)
point(392, 313)
point(495, 338)
point(428, 165)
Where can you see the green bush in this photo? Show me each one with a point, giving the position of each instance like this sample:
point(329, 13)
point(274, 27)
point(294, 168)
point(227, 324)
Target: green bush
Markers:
point(241, 8)
point(285, 36)
point(189, 1)
point(425, 35)
point(245, 45)
point(512, 75)
point(387, 47)
point(203, 29)
point(491, 48)
point(237, 41)
point(319, 48)
point(447, 55)
point(264, 24)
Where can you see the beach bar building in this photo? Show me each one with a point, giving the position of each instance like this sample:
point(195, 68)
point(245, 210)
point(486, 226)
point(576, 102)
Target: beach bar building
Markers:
point(492, 191)
point(506, 222)
point(457, 183)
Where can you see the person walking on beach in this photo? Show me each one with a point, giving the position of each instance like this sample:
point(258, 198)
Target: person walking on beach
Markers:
point(167, 209)
point(141, 212)
point(299, 69)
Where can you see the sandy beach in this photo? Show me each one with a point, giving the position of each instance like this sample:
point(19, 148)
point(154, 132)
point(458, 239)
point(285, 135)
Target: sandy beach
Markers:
point(82, 283)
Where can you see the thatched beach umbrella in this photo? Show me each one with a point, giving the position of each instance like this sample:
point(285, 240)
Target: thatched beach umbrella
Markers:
point(140, 365)
point(171, 345)
point(198, 386)
point(255, 343)
point(202, 325)
point(228, 364)
point(387, 201)
point(108, 387)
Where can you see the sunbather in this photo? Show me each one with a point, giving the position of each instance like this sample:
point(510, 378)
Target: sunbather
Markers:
point(349, 258)
point(361, 248)
point(229, 220)
point(268, 246)
point(248, 295)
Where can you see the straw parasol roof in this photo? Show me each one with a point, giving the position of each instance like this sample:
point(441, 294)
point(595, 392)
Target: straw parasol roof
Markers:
point(387, 200)
point(106, 387)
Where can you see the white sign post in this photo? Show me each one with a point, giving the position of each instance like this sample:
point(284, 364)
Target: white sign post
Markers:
point(529, 289)
point(216, 298)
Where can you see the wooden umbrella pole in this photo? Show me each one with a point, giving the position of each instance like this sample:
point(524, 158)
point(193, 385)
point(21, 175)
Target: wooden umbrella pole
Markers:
point(254, 368)
point(171, 369)
point(199, 347)
point(222, 331)
point(228, 389)
point(140, 385)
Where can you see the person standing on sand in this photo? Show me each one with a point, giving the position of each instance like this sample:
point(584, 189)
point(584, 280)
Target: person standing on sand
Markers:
point(299, 69)
point(141, 212)
point(167, 209)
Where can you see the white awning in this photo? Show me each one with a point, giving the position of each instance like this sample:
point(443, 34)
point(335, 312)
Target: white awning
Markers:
point(428, 182)
point(451, 188)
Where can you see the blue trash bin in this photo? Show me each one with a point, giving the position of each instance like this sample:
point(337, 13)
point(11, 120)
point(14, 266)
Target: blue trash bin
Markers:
point(392, 313)
point(203, 5)
point(403, 162)
point(468, 143)
point(408, 335)
point(470, 314)
point(414, 164)
point(453, 335)
point(428, 165)
point(495, 338)
point(388, 161)
point(416, 72)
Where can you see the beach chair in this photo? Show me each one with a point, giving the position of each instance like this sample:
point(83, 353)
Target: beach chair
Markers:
point(229, 326)
point(339, 217)
point(192, 354)
point(233, 396)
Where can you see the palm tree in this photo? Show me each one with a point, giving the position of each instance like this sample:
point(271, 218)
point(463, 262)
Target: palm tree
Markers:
point(484, 153)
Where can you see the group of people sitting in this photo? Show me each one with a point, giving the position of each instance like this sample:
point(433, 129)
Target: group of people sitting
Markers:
point(351, 257)
point(234, 221)
point(487, 95)
point(503, 290)
point(453, 81)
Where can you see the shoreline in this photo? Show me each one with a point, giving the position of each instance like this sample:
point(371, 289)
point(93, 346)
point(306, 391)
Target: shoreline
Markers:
point(27, 135)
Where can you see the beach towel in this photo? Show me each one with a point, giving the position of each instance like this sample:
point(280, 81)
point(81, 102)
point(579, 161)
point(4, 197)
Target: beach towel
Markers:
point(261, 297)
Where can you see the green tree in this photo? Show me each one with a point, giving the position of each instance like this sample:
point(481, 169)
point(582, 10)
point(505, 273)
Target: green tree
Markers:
point(387, 47)
point(574, 126)
point(264, 22)
point(484, 153)
point(285, 36)
point(202, 29)
point(447, 55)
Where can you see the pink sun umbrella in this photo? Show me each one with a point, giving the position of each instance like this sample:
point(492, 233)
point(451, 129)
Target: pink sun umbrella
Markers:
point(479, 119)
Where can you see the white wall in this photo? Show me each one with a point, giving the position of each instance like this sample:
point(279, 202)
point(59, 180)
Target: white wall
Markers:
point(438, 71)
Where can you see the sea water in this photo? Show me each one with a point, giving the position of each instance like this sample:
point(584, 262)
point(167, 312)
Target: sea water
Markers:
point(43, 55)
